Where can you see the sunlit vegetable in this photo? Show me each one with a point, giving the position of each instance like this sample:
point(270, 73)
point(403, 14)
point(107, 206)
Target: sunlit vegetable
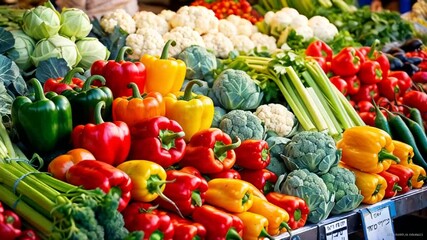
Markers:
point(75, 23)
point(91, 49)
point(24, 46)
point(41, 22)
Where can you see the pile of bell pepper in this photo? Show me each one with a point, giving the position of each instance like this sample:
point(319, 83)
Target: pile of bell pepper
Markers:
point(12, 228)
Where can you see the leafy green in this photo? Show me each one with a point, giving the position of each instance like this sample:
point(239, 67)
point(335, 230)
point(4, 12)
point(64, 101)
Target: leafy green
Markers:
point(114, 41)
point(6, 40)
point(11, 77)
point(51, 68)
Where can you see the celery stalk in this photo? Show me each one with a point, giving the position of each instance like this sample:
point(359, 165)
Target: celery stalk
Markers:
point(332, 130)
point(315, 114)
point(356, 119)
point(4, 137)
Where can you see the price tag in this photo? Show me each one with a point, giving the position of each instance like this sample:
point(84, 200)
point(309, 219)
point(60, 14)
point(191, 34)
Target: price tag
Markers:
point(337, 230)
point(377, 222)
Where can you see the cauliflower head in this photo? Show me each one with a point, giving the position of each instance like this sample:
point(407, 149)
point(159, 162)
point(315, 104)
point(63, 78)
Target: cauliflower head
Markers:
point(264, 41)
point(235, 89)
point(276, 117)
point(322, 28)
point(167, 14)
point(244, 26)
point(311, 150)
point(343, 182)
point(199, 18)
point(184, 37)
point(145, 41)
point(119, 18)
point(242, 124)
point(242, 43)
point(218, 43)
point(310, 187)
point(227, 28)
point(146, 19)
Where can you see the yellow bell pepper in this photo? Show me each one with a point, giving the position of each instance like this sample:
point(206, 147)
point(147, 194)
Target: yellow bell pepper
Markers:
point(148, 179)
point(371, 185)
point(164, 74)
point(254, 226)
point(367, 149)
point(417, 180)
point(233, 195)
point(193, 112)
point(277, 217)
point(403, 151)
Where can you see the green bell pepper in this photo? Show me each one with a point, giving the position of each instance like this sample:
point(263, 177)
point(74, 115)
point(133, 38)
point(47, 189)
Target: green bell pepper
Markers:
point(43, 123)
point(83, 101)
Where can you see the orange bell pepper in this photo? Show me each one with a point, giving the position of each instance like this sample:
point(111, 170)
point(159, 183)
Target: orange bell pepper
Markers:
point(137, 107)
point(59, 166)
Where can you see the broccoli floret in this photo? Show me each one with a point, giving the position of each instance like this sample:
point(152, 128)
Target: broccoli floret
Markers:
point(235, 89)
point(218, 114)
point(311, 150)
point(242, 124)
point(313, 190)
point(343, 182)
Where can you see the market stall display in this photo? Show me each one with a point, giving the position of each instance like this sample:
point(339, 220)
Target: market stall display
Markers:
point(220, 120)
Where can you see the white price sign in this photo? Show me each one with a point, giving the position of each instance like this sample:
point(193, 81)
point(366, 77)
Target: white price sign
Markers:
point(337, 230)
point(377, 223)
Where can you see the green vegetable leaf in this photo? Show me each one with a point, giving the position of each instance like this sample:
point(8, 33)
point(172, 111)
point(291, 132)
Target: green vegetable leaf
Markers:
point(11, 77)
point(6, 40)
point(5, 101)
point(51, 68)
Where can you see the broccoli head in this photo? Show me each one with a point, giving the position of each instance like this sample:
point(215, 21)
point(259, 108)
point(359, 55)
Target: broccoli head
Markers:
point(313, 190)
point(242, 124)
point(343, 182)
point(235, 89)
point(311, 150)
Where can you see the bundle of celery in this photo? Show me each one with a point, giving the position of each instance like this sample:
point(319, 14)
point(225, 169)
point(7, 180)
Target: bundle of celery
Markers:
point(316, 103)
point(56, 209)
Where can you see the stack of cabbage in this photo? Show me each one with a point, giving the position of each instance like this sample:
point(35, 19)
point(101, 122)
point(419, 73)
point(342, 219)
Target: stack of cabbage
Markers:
point(47, 33)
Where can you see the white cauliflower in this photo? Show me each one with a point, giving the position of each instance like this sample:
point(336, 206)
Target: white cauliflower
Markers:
point(146, 19)
point(244, 26)
point(145, 41)
point(305, 31)
point(118, 17)
point(167, 14)
point(269, 16)
point(184, 37)
point(227, 28)
point(276, 117)
point(282, 19)
point(242, 43)
point(199, 18)
point(299, 20)
point(322, 28)
point(262, 40)
point(220, 44)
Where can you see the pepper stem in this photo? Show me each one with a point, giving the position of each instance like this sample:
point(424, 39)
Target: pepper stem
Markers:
point(196, 199)
point(220, 150)
point(188, 91)
point(385, 155)
point(264, 234)
point(373, 49)
point(38, 90)
point(167, 138)
point(88, 83)
point(396, 187)
point(154, 184)
point(98, 116)
point(70, 74)
point(285, 225)
point(232, 234)
point(135, 90)
point(157, 235)
point(166, 49)
point(297, 215)
point(377, 189)
point(245, 198)
point(421, 178)
point(121, 55)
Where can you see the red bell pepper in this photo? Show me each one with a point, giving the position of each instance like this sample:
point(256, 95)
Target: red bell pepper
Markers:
point(96, 174)
point(155, 224)
point(191, 170)
point(365, 106)
point(404, 80)
point(218, 223)
point(366, 92)
point(370, 72)
point(108, 141)
point(119, 73)
point(8, 232)
point(28, 234)
point(373, 54)
point(405, 175)
point(186, 190)
point(186, 229)
point(319, 48)
point(227, 173)
point(12, 218)
point(420, 77)
point(68, 82)
point(392, 184)
point(263, 179)
point(389, 88)
point(253, 154)
point(368, 118)
point(340, 84)
point(347, 62)
point(353, 84)
point(416, 99)
point(158, 139)
point(210, 151)
point(296, 207)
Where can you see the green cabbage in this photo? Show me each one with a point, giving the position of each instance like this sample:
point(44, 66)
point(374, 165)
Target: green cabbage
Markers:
point(41, 22)
point(75, 23)
point(91, 49)
point(24, 46)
